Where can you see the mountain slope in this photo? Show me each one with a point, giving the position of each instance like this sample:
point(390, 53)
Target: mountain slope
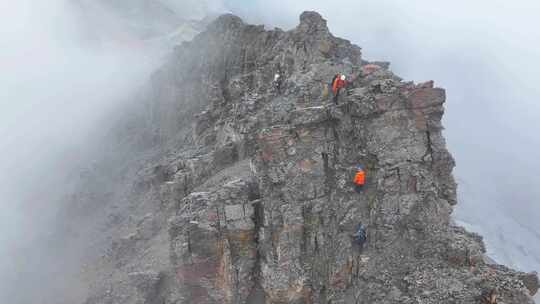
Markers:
point(244, 194)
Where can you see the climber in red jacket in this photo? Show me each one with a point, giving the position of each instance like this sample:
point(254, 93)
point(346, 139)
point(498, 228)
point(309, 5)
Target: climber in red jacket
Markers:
point(359, 179)
point(338, 82)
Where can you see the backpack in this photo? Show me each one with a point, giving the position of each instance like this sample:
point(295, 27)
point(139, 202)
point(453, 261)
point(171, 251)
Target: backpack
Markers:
point(359, 177)
point(334, 83)
point(360, 236)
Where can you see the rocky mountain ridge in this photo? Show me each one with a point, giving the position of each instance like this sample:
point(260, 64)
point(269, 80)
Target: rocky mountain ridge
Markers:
point(247, 197)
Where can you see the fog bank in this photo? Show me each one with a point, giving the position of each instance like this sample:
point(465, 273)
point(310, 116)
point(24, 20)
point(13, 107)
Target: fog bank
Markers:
point(59, 82)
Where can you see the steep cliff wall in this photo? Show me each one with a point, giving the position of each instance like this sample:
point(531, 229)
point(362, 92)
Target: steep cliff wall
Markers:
point(250, 200)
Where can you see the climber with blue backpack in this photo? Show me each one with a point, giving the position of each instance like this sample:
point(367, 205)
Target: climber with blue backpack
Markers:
point(360, 236)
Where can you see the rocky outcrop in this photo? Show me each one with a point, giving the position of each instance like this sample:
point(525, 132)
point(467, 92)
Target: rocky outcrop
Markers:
point(253, 198)
point(531, 282)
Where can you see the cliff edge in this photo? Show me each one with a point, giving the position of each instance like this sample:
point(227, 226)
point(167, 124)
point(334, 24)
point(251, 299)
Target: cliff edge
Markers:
point(250, 197)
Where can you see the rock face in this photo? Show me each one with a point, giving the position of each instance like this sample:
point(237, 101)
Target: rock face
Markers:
point(251, 198)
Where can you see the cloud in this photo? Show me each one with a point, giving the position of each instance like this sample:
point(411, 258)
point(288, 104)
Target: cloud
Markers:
point(68, 68)
point(57, 85)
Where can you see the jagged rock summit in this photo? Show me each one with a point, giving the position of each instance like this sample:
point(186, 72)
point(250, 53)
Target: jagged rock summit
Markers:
point(250, 199)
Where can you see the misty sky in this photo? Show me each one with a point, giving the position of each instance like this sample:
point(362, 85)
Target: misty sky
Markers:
point(55, 88)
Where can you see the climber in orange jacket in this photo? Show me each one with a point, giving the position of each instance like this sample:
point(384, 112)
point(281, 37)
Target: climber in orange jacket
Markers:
point(338, 82)
point(359, 179)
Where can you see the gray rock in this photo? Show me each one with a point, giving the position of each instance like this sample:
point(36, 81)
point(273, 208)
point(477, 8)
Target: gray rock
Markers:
point(258, 197)
point(147, 284)
point(531, 282)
